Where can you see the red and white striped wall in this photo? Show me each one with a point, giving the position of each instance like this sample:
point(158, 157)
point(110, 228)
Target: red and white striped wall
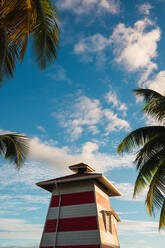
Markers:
point(74, 218)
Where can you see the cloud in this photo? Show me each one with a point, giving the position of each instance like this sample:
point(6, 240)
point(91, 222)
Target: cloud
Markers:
point(40, 128)
point(114, 122)
point(127, 192)
point(19, 229)
point(53, 162)
point(157, 83)
point(145, 8)
point(111, 97)
point(58, 73)
point(20, 202)
point(136, 47)
point(138, 227)
point(27, 245)
point(88, 114)
point(80, 7)
point(92, 48)
point(91, 44)
point(61, 158)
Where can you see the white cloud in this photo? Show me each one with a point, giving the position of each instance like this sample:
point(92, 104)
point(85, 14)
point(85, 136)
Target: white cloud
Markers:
point(89, 153)
point(91, 44)
point(157, 83)
point(52, 163)
point(84, 113)
point(136, 47)
point(20, 202)
point(111, 97)
point(114, 122)
point(80, 7)
point(138, 227)
point(58, 73)
point(27, 245)
point(40, 128)
point(89, 114)
point(145, 8)
point(19, 229)
point(127, 192)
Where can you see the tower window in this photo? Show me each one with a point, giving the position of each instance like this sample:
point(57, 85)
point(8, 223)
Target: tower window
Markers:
point(107, 218)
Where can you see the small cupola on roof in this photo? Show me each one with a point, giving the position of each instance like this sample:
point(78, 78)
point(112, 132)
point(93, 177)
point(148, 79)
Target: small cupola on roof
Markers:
point(81, 168)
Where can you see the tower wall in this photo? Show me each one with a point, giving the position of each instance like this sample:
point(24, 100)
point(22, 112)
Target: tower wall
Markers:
point(107, 223)
point(72, 217)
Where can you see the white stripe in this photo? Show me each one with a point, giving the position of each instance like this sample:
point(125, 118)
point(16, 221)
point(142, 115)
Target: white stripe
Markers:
point(74, 187)
point(73, 211)
point(71, 238)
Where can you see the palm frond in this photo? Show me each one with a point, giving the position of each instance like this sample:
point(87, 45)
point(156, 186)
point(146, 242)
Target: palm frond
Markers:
point(3, 51)
point(139, 137)
point(156, 192)
point(155, 145)
point(14, 147)
point(17, 17)
point(147, 94)
point(147, 170)
point(156, 109)
point(155, 103)
point(162, 217)
point(45, 32)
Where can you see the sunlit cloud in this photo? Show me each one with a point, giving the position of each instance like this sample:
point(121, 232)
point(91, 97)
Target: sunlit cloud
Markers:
point(157, 83)
point(138, 227)
point(81, 7)
point(89, 115)
point(145, 8)
point(136, 47)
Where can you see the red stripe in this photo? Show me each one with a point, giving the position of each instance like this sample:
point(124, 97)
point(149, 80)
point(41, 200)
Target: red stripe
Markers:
point(73, 199)
point(74, 246)
point(79, 246)
point(50, 226)
point(72, 224)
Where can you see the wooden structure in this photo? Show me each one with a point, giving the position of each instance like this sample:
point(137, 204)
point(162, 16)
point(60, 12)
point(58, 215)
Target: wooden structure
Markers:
point(80, 214)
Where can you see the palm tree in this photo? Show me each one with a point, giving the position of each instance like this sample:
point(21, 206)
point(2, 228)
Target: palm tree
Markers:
point(14, 147)
point(150, 159)
point(21, 19)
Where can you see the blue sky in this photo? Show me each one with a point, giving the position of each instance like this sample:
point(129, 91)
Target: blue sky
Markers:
point(79, 109)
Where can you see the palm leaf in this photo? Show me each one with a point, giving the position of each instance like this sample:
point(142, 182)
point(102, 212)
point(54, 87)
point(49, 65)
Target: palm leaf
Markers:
point(3, 50)
point(156, 109)
point(155, 144)
point(45, 32)
point(18, 16)
point(162, 217)
point(156, 192)
point(139, 137)
point(155, 103)
point(14, 147)
point(147, 171)
point(147, 94)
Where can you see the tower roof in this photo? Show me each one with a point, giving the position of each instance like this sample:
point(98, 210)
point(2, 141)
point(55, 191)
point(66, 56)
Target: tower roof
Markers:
point(83, 172)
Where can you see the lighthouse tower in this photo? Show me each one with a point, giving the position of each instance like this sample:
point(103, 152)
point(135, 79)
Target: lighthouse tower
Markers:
point(80, 214)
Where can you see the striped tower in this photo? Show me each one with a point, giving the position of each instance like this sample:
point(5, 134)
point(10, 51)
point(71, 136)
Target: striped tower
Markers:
point(80, 214)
